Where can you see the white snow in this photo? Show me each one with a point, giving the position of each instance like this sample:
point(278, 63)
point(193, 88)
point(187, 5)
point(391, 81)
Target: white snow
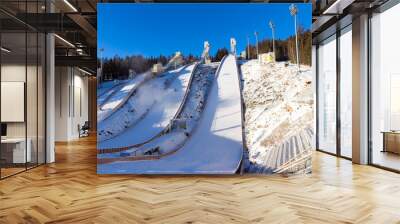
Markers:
point(165, 106)
point(137, 105)
point(118, 96)
point(103, 87)
point(279, 115)
point(106, 89)
point(190, 113)
point(215, 144)
point(197, 96)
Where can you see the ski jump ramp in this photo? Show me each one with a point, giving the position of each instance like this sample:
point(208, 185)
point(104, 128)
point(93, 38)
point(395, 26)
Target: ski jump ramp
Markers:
point(215, 146)
point(159, 115)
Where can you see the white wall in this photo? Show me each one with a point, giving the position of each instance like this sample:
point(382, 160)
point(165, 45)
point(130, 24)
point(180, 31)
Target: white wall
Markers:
point(71, 87)
point(61, 103)
point(13, 100)
point(80, 110)
point(13, 72)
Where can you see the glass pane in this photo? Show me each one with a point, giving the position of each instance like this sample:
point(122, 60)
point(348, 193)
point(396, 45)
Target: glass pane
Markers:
point(41, 98)
point(23, 90)
point(31, 97)
point(327, 95)
point(31, 87)
point(385, 89)
point(13, 86)
point(346, 92)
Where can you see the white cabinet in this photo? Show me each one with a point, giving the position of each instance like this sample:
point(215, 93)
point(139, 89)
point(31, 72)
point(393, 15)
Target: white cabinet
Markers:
point(17, 146)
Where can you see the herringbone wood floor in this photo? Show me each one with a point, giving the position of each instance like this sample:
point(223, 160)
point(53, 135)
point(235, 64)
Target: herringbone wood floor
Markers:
point(70, 191)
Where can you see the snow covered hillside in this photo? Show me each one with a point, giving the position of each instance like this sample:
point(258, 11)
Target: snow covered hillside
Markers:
point(117, 95)
point(158, 117)
point(190, 113)
point(279, 117)
point(211, 134)
point(135, 105)
point(103, 87)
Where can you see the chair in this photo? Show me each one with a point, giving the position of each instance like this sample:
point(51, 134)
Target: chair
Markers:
point(84, 130)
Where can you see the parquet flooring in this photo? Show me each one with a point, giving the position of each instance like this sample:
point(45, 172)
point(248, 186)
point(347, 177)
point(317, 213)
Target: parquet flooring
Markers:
point(70, 191)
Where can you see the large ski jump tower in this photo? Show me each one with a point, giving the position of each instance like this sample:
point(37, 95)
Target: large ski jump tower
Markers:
point(175, 61)
point(205, 56)
point(233, 46)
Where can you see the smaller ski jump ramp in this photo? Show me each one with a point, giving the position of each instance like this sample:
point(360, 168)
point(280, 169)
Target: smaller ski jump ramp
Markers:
point(215, 146)
point(158, 117)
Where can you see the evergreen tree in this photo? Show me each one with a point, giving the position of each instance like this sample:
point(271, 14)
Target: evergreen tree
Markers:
point(221, 52)
point(286, 49)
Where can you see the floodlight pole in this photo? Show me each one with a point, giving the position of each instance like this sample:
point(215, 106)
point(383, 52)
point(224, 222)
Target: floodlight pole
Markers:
point(248, 48)
point(272, 25)
point(297, 42)
point(256, 34)
point(101, 64)
point(293, 11)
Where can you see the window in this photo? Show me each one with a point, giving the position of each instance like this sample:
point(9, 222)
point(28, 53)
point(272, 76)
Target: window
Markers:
point(22, 88)
point(346, 92)
point(327, 95)
point(385, 89)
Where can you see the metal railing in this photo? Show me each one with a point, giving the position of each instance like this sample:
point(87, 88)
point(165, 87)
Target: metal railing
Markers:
point(243, 111)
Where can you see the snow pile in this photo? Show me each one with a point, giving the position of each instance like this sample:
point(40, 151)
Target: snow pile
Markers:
point(136, 106)
point(279, 116)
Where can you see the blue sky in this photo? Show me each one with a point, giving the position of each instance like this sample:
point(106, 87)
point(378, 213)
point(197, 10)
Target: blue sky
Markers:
point(154, 29)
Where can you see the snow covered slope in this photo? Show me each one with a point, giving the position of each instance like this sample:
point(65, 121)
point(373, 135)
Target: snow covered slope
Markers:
point(214, 147)
point(118, 95)
point(136, 105)
point(105, 86)
point(172, 136)
point(157, 117)
point(105, 91)
point(279, 117)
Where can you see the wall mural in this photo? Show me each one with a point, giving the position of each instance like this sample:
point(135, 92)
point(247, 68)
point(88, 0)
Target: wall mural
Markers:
point(204, 89)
